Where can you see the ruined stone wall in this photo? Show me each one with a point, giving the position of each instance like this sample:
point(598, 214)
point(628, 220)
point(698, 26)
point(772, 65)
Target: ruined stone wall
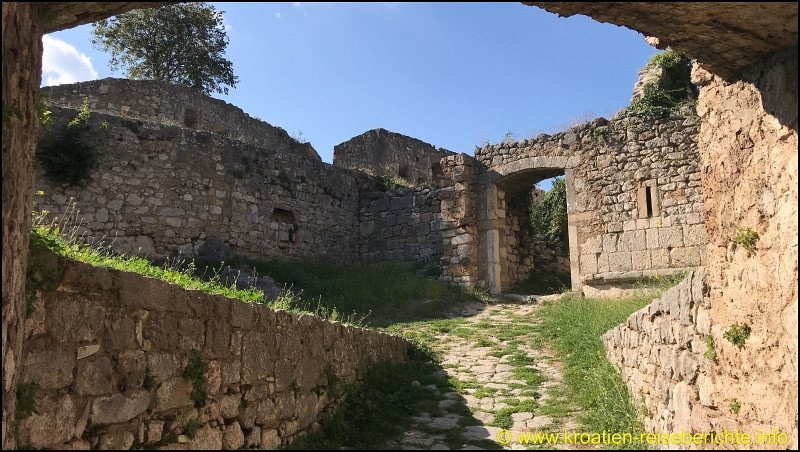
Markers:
point(459, 220)
point(401, 225)
point(748, 146)
point(660, 353)
point(108, 351)
point(163, 190)
point(169, 104)
point(636, 203)
point(378, 149)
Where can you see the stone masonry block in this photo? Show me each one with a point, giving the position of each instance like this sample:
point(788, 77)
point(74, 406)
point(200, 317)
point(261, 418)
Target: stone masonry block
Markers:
point(588, 263)
point(619, 261)
point(651, 237)
point(640, 260)
point(660, 258)
point(685, 257)
point(671, 237)
point(694, 235)
point(610, 243)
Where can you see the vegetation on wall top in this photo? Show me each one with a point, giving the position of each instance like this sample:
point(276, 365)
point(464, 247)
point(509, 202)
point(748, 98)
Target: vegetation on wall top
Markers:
point(672, 92)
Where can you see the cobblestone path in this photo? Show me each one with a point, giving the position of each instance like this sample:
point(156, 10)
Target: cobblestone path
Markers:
point(503, 380)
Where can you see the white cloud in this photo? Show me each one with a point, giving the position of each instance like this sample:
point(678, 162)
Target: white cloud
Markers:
point(277, 15)
point(62, 63)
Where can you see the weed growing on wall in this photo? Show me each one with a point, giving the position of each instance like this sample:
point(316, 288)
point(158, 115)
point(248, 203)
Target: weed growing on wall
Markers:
point(738, 334)
point(735, 406)
point(710, 353)
point(69, 156)
point(195, 372)
point(191, 428)
point(387, 181)
point(26, 399)
point(747, 239)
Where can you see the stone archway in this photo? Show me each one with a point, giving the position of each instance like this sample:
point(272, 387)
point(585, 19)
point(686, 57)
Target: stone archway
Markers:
point(498, 186)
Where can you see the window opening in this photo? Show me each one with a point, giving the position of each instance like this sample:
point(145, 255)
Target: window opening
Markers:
point(649, 198)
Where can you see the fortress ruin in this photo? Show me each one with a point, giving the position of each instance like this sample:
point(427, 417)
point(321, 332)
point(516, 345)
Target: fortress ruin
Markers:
point(179, 169)
point(747, 144)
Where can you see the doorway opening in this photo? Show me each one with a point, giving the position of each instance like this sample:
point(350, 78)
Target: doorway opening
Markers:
point(533, 240)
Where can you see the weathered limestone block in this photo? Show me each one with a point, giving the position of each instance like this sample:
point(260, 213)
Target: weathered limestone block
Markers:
point(173, 393)
point(54, 424)
point(50, 369)
point(118, 408)
point(94, 377)
point(232, 437)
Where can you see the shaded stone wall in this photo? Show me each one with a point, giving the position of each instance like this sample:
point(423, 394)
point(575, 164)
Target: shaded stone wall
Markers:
point(163, 190)
point(108, 350)
point(403, 224)
point(660, 353)
point(748, 146)
point(636, 202)
point(378, 149)
point(157, 101)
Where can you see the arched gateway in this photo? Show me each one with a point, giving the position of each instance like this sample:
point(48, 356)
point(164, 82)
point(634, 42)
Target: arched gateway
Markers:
point(634, 201)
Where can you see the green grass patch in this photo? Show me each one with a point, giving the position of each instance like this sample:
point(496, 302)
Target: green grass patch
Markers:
point(573, 327)
point(519, 358)
point(380, 294)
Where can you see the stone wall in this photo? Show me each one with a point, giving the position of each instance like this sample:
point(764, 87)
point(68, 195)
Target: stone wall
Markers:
point(162, 190)
point(748, 145)
point(108, 351)
point(459, 226)
point(378, 149)
point(660, 354)
point(401, 225)
point(634, 197)
point(169, 104)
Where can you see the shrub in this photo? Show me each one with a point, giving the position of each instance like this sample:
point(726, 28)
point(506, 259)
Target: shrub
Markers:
point(69, 156)
point(738, 334)
point(387, 181)
point(673, 92)
point(747, 238)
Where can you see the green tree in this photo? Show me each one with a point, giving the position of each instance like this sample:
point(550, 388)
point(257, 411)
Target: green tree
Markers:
point(549, 217)
point(182, 44)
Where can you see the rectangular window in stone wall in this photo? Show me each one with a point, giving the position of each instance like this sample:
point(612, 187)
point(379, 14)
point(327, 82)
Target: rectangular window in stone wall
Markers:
point(647, 199)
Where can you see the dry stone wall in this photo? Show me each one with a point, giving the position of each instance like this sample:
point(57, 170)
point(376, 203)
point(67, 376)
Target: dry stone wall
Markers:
point(661, 354)
point(378, 149)
point(163, 190)
point(169, 104)
point(108, 350)
point(634, 185)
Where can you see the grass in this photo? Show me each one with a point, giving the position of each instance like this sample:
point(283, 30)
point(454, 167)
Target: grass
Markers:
point(380, 294)
point(383, 294)
point(573, 327)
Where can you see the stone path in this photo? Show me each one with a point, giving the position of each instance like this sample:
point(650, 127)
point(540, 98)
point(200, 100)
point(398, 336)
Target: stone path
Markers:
point(503, 380)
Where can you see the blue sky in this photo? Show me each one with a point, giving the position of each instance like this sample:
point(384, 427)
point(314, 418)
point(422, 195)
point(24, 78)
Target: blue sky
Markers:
point(450, 74)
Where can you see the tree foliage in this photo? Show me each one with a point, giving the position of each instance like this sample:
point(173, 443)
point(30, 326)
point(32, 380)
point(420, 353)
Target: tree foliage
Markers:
point(69, 155)
point(673, 92)
point(182, 44)
point(549, 217)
